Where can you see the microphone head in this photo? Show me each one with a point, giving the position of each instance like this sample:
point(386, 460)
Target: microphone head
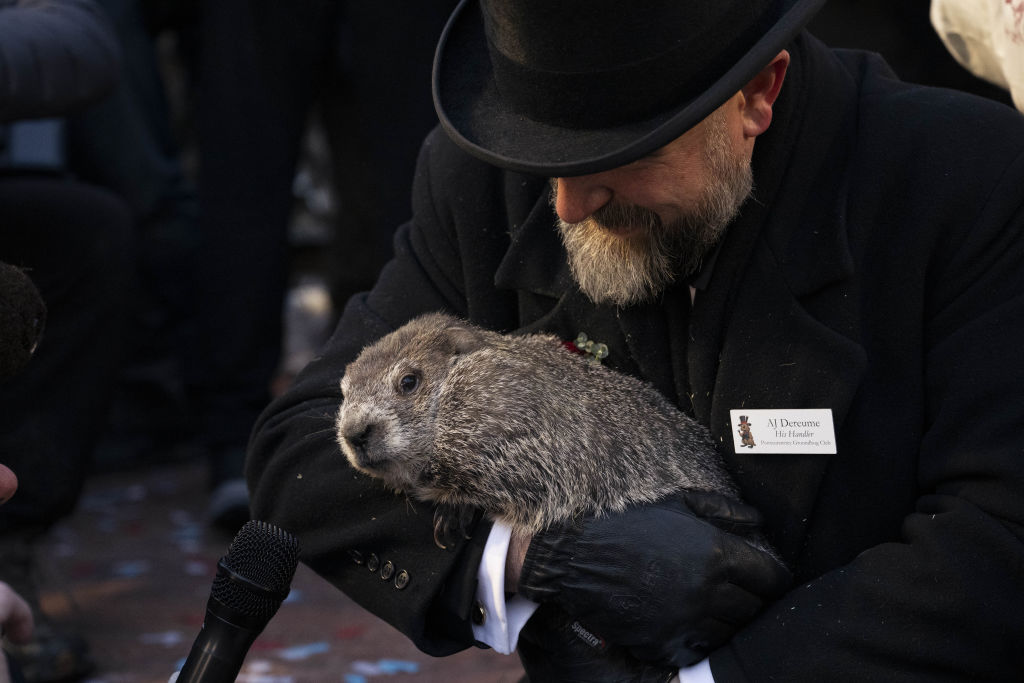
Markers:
point(256, 573)
point(22, 318)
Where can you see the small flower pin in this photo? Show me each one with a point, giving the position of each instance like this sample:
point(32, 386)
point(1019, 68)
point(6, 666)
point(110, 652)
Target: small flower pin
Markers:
point(595, 351)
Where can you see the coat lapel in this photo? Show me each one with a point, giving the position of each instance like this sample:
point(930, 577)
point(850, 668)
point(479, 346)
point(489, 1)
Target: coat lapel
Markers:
point(535, 261)
point(777, 355)
point(655, 334)
point(778, 325)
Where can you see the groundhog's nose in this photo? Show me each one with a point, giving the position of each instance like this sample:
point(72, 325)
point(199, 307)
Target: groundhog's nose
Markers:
point(358, 438)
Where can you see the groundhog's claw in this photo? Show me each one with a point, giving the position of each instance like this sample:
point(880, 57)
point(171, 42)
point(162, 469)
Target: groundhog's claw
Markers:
point(453, 523)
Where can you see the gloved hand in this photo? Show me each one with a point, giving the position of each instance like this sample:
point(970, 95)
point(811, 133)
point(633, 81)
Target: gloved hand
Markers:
point(555, 647)
point(657, 579)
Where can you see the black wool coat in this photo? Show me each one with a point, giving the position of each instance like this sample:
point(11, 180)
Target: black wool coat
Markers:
point(878, 272)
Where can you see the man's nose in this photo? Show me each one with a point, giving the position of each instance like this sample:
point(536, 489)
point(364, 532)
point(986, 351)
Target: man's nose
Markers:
point(578, 197)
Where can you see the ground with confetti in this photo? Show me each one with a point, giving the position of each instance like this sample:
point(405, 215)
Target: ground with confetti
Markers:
point(132, 571)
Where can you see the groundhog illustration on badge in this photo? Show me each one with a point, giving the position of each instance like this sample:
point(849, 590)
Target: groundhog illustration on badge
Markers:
point(746, 436)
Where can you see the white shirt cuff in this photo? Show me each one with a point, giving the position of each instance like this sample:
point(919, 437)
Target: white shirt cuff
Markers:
point(697, 673)
point(502, 619)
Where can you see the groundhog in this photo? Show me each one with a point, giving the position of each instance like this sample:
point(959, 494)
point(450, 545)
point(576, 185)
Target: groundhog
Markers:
point(517, 426)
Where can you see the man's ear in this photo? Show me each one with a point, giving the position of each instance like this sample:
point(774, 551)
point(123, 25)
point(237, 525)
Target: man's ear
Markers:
point(760, 93)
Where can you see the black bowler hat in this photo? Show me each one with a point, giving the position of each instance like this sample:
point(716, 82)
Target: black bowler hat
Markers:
point(570, 87)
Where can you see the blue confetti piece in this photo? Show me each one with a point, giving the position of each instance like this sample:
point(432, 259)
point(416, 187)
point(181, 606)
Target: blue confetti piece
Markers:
point(395, 666)
point(365, 668)
point(131, 569)
point(294, 595)
point(165, 638)
point(303, 651)
point(189, 532)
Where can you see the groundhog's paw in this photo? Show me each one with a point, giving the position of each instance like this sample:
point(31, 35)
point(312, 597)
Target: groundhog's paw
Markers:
point(453, 523)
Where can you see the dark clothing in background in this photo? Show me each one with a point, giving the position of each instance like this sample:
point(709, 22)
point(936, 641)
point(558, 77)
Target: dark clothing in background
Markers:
point(265, 68)
point(901, 31)
point(878, 273)
point(73, 239)
point(56, 56)
point(126, 143)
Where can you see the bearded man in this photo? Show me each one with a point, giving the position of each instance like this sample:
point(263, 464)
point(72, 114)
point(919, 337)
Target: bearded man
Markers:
point(759, 226)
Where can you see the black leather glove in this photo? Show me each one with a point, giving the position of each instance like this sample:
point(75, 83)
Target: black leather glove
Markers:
point(555, 647)
point(657, 579)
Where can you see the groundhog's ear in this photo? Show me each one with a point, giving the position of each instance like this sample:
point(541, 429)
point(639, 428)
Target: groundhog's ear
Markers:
point(464, 339)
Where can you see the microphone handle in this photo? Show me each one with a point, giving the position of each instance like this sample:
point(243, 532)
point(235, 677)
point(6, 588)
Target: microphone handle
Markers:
point(219, 649)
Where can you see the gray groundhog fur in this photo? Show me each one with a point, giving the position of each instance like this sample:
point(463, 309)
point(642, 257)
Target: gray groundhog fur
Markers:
point(517, 426)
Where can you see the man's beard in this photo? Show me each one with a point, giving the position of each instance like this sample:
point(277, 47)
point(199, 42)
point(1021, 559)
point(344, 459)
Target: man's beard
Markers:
point(625, 269)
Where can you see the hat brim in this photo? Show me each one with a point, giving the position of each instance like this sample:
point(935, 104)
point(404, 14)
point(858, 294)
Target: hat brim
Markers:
point(478, 119)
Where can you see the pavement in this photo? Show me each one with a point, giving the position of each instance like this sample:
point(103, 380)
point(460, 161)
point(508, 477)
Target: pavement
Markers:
point(131, 571)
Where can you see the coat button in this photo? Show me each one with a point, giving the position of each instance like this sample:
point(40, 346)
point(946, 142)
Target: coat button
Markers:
point(357, 556)
point(387, 570)
point(372, 562)
point(478, 615)
point(401, 579)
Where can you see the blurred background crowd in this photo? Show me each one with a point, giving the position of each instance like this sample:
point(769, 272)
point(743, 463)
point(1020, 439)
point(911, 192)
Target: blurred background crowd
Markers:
point(196, 189)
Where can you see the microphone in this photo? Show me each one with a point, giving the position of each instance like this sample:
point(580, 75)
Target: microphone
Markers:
point(252, 581)
point(22, 318)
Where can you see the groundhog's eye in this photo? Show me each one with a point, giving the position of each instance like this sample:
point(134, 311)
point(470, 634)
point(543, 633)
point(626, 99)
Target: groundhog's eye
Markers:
point(408, 383)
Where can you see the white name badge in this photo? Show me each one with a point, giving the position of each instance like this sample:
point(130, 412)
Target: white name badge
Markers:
point(807, 430)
